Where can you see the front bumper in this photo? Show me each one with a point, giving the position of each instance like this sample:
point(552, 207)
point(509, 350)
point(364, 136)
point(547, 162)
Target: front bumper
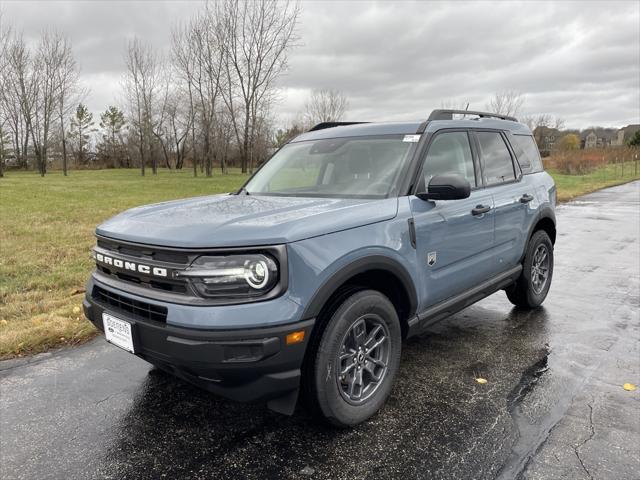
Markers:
point(247, 365)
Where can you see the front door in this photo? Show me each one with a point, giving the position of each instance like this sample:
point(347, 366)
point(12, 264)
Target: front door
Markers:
point(454, 238)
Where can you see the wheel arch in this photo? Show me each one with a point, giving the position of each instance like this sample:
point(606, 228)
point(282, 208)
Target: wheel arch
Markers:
point(546, 221)
point(376, 272)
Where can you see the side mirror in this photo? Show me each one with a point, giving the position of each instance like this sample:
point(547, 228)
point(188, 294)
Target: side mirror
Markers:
point(448, 186)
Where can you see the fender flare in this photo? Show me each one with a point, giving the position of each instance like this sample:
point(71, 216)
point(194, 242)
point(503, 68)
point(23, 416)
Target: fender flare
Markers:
point(361, 265)
point(545, 212)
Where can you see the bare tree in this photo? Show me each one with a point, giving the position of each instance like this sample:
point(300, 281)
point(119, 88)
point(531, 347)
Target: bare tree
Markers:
point(256, 37)
point(543, 120)
point(325, 105)
point(44, 78)
point(184, 59)
point(178, 126)
point(506, 103)
point(5, 33)
point(67, 75)
point(10, 111)
point(209, 79)
point(141, 85)
point(20, 94)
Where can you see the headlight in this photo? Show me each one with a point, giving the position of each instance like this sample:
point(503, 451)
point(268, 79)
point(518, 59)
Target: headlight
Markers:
point(232, 276)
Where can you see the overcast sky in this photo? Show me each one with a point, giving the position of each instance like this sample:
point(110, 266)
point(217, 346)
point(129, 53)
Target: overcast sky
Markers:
point(577, 60)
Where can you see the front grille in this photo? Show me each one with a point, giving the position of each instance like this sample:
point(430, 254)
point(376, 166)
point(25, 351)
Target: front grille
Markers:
point(175, 286)
point(150, 256)
point(128, 305)
point(146, 253)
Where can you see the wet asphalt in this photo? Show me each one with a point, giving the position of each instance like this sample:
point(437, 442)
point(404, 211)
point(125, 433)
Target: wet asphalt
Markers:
point(553, 406)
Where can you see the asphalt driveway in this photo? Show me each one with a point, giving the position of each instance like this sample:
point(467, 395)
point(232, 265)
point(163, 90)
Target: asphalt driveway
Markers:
point(553, 406)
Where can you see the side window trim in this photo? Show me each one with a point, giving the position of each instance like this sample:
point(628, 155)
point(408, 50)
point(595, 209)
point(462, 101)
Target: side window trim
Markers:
point(511, 137)
point(475, 156)
point(517, 172)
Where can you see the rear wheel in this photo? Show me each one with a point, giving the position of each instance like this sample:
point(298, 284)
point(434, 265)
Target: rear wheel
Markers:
point(355, 362)
point(532, 287)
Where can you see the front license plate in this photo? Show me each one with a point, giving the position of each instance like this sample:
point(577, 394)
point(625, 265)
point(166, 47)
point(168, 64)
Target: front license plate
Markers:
point(118, 332)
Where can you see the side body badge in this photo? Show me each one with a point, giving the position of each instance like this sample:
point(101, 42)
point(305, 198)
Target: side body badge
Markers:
point(431, 258)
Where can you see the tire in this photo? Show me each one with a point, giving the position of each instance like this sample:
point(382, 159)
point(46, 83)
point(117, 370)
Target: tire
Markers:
point(334, 397)
point(529, 291)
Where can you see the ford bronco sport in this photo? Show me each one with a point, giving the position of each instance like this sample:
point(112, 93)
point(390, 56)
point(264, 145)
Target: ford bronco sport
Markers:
point(351, 238)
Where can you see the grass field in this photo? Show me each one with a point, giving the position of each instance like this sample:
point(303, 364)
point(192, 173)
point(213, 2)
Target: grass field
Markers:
point(46, 234)
point(571, 186)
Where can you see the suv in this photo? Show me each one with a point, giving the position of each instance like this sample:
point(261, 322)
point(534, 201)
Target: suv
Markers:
point(351, 238)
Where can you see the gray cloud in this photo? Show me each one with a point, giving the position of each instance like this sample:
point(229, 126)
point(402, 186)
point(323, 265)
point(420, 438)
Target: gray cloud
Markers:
point(400, 60)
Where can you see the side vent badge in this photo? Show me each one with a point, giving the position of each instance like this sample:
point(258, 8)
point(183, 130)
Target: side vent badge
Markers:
point(431, 258)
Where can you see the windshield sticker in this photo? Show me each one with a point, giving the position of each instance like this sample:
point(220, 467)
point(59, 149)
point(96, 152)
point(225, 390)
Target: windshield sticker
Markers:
point(411, 138)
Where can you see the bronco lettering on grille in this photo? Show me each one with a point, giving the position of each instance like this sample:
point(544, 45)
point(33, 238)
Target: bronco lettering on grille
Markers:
point(132, 266)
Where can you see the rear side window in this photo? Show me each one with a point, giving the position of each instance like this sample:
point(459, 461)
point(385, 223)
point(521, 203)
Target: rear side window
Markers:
point(496, 159)
point(527, 153)
point(450, 152)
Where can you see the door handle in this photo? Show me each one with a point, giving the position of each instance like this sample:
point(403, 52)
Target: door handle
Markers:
point(526, 198)
point(480, 210)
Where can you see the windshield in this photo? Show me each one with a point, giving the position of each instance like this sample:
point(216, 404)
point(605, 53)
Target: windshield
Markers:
point(359, 167)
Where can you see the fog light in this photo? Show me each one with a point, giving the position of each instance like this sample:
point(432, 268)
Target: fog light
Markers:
point(295, 337)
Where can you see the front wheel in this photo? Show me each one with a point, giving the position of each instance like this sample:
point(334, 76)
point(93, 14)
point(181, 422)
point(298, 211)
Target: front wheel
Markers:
point(356, 360)
point(532, 287)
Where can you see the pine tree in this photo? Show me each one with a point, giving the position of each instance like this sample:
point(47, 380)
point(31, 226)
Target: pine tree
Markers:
point(112, 121)
point(82, 126)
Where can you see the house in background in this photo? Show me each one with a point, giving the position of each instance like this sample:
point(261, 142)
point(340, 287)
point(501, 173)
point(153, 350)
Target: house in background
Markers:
point(546, 138)
point(607, 137)
point(598, 137)
point(624, 135)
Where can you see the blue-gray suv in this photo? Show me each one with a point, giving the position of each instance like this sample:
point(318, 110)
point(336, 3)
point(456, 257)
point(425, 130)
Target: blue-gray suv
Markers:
point(351, 238)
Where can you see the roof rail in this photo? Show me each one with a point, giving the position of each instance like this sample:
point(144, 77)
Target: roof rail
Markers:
point(323, 125)
point(448, 115)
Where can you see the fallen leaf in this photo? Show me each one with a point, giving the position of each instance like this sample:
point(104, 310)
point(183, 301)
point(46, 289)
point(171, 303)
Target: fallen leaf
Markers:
point(481, 381)
point(3, 322)
point(629, 387)
point(77, 291)
point(76, 309)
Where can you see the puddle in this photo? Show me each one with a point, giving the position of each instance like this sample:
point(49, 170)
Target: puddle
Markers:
point(527, 382)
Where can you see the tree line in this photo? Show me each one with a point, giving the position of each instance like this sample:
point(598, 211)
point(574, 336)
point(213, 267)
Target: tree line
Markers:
point(207, 102)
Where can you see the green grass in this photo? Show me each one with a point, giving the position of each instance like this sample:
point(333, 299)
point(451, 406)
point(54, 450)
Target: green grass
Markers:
point(46, 235)
point(571, 186)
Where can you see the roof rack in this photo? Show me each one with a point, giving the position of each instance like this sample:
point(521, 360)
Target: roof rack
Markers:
point(323, 125)
point(448, 115)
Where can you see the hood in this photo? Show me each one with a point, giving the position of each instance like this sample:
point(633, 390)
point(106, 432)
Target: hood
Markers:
point(243, 220)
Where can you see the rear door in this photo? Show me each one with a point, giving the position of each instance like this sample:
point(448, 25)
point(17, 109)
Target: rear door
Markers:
point(512, 197)
point(454, 238)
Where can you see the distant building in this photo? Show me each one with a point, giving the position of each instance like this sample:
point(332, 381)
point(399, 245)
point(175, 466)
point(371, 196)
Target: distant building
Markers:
point(607, 137)
point(598, 138)
point(546, 138)
point(624, 135)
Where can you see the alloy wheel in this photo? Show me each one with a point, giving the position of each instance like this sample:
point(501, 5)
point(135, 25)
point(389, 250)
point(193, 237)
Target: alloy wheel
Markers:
point(363, 359)
point(540, 269)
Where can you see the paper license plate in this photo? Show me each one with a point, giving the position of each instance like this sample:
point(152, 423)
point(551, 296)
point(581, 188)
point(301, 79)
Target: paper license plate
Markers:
point(118, 332)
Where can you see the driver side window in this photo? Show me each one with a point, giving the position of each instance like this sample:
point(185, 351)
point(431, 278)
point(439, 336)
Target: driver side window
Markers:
point(450, 152)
